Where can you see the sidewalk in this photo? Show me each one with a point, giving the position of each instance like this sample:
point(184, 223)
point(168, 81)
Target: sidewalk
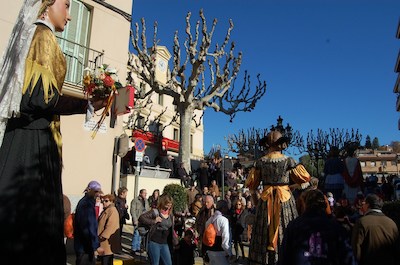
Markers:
point(126, 259)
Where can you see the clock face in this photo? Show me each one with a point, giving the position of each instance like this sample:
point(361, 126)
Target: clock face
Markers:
point(162, 65)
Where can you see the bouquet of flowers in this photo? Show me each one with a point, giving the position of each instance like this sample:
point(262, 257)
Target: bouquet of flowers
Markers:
point(101, 84)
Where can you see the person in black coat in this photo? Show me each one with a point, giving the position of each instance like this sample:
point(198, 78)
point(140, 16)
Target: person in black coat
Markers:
point(203, 175)
point(185, 251)
point(170, 163)
point(183, 175)
point(314, 237)
point(122, 207)
point(86, 240)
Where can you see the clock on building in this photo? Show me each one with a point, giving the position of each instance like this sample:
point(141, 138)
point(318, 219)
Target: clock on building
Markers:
point(162, 65)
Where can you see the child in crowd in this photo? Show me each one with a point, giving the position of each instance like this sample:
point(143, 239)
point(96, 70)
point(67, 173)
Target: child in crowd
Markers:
point(186, 249)
point(331, 199)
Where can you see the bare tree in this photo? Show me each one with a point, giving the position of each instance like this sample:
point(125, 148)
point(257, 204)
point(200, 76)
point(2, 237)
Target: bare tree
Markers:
point(246, 143)
point(319, 144)
point(187, 82)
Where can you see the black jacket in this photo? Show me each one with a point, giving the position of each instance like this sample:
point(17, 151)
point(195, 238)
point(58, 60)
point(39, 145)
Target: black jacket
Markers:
point(86, 239)
point(122, 210)
point(315, 239)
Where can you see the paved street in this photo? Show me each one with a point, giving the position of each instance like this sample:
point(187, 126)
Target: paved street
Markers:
point(125, 258)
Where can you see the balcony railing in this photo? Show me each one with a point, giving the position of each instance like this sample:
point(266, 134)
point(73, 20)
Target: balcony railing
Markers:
point(78, 58)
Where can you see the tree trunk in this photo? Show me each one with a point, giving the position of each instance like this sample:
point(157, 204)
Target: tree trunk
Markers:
point(186, 113)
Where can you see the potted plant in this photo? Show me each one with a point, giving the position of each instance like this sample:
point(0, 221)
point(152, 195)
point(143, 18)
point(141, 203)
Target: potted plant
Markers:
point(179, 195)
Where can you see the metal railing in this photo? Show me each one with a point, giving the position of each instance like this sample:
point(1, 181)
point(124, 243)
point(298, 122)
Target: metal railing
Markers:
point(79, 57)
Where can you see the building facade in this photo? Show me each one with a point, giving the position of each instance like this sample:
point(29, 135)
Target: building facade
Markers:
point(156, 123)
point(379, 162)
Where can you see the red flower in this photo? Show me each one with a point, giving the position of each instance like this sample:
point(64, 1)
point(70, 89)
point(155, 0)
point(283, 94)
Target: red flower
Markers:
point(108, 81)
point(90, 88)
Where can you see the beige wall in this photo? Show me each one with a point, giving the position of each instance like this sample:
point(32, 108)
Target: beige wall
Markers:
point(7, 21)
point(86, 158)
point(110, 32)
point(150, 184)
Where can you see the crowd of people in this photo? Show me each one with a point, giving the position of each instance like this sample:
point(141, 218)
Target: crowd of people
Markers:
point(275, 208)
point(285, 216)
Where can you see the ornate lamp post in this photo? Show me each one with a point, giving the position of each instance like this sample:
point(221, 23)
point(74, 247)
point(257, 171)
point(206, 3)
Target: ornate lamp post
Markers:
point(286, 131)
point(246, 143)
point(224, 154)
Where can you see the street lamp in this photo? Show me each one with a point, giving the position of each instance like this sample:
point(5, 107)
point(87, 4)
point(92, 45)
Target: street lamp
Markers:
point(285, 131)
point(224, 154)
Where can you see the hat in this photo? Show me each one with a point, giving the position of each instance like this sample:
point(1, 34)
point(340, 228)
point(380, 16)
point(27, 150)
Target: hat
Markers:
point(274, 138)
point(93, 185)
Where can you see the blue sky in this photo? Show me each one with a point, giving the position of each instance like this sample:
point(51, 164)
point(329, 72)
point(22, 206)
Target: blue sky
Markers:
point(327, 64)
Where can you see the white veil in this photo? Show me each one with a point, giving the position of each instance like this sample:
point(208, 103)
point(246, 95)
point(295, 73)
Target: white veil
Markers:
point(12, 64)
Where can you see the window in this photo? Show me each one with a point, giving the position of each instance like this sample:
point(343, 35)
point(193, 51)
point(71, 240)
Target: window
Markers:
point(373, 164)
point(140, 122)
point(160, 99)
point(191, 143)
point(176, 134)
point(393, 163)
point(383, 163)
point(362, 164)
point(141, 91)
point(74, 41)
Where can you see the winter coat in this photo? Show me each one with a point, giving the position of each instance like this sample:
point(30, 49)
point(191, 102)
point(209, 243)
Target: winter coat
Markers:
point(315, 238)
point(122, 210)
point(85, 226)
point(376, 240)
point(137, 208)
point(238, 225)
point(108, 229)
point(201, 219)
point(147, 219)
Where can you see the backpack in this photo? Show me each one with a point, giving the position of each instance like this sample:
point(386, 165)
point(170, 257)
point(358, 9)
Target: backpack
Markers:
point(318, 249)
point(69, 226)
point(210, 233)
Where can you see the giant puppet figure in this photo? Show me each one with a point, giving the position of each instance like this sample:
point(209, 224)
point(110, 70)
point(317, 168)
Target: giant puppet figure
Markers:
point(276, 206)
point(32, 73)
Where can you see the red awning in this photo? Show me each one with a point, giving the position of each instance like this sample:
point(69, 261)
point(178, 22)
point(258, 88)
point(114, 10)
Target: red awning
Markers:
point(150, 138)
